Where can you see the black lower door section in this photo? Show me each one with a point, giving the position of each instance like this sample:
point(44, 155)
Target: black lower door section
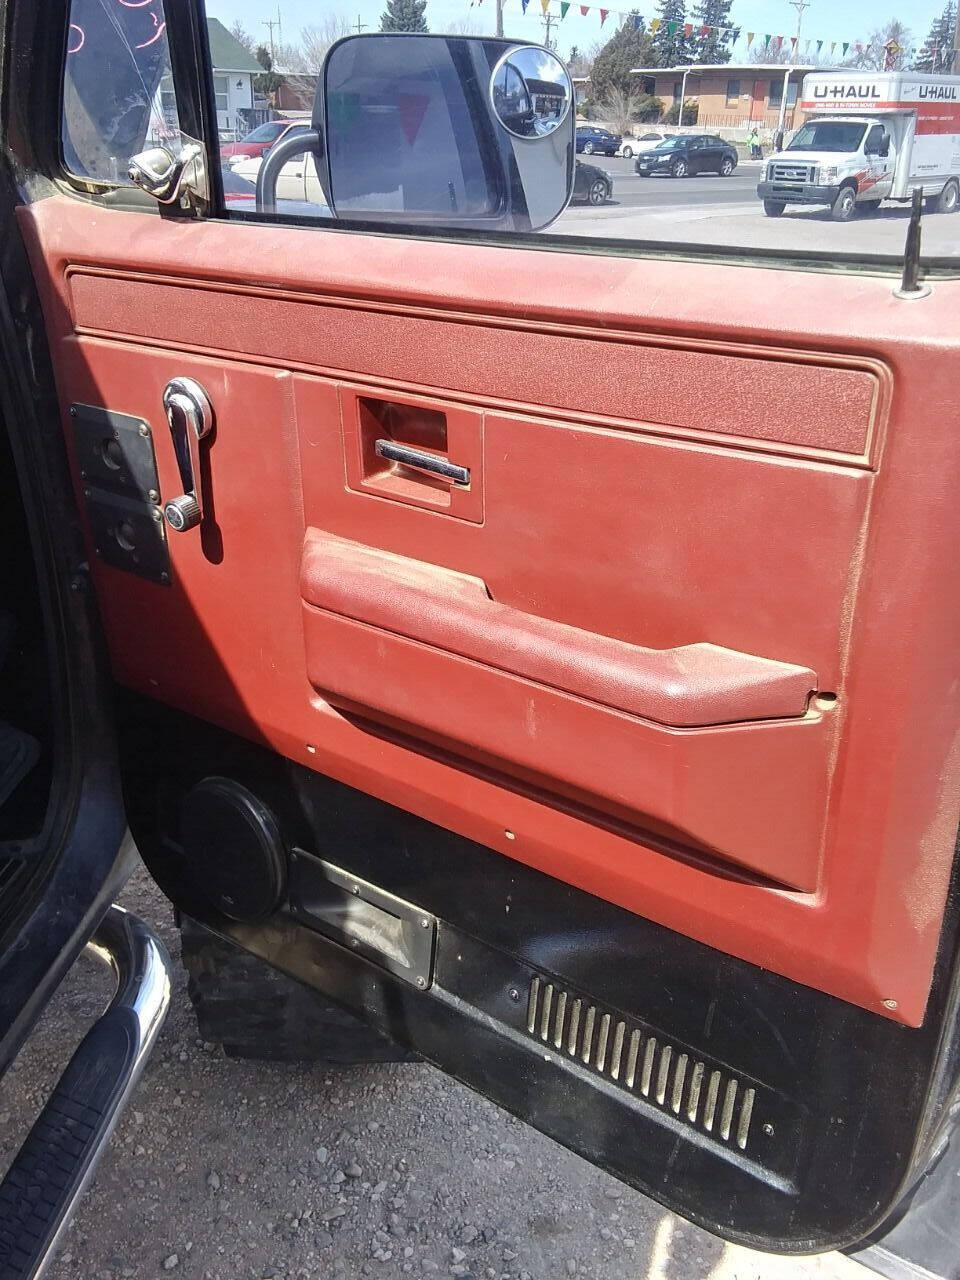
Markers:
point(767, 1112)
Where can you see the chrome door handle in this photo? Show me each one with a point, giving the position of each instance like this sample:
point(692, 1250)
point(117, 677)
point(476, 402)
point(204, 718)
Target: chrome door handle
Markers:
point(422, 460)
point(190, 418)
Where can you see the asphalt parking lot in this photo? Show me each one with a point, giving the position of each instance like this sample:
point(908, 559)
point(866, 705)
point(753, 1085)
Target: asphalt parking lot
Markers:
point(229, 1170)
point(707, 209)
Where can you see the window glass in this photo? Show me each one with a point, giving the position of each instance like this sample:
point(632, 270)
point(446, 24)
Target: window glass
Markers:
point(118, 94)
point(793, 114)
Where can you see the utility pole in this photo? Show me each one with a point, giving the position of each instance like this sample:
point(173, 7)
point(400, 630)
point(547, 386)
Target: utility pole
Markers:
point(273, 48)
point(799, 5)
point(548, 22)
point(360, 25)
point(499, 30)
point(955, 55)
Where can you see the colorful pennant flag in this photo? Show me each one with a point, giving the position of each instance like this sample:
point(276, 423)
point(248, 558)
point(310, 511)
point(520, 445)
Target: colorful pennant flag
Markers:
point(704, 32)
point(750, 35)
point(766, 42)
point(846, 46)
point(638, 22)
point(654, 26)
point(778, 43)
point(688, 29)
point(603, 16)
point(793, 42)
point(584, 10)
point(819, 47)
point(544, 5)
point(672, 27)
point(564, 7)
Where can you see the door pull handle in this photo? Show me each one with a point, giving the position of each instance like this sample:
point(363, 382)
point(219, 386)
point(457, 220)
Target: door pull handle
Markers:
point(423, 461)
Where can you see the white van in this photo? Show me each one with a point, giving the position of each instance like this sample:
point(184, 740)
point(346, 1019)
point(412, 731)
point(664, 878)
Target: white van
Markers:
point(869, 137)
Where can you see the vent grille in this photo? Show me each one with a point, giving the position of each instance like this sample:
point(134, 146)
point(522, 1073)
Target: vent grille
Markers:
point(782, 172)
point(713, 1101)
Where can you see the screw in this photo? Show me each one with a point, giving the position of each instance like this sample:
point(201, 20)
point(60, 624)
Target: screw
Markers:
point(86, 493)
point(157, 514)
point(421, 983)
point(116, 435)
point(153, 495)
point(768, 1129)
point(83, 475)
point(890, 1004)
point(73, 411)
point(355, 888)
point(424, 923)
point(164, 577)
point(514, 994)
point(144, 429)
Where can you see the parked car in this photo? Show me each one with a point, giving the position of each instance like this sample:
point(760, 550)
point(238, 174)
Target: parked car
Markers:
point(260, 140)
point(591, 184)
point(646, 142)
point(593, 141)
point(685, 155)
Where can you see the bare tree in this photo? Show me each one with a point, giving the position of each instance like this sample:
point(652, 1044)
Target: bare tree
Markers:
point(316, 39)
point(581, 60)
point(242, 35)
point(886, 49)
point(619, 108)
point(462, 27)
point(768, 55)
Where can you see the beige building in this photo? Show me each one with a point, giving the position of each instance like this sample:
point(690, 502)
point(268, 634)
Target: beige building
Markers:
point(729, 94)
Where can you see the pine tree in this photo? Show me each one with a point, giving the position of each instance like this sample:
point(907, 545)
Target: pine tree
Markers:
point(404, 15)
point(713, 47)
point(628, 47)
point(671, 46)
point(936, 54)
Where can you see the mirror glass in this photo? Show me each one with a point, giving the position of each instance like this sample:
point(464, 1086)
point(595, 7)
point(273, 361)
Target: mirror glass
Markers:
point(531, 92)
point(403, 134)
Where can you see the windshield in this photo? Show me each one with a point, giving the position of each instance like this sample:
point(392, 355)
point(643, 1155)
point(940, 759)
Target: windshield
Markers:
point(828, 135)
point(265, 133)
point(667, 144)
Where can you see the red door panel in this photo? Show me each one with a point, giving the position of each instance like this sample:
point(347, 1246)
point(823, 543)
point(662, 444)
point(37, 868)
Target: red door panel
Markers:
point(647, 480)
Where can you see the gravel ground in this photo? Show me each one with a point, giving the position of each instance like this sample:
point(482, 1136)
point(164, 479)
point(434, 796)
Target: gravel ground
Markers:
point(226, 1170)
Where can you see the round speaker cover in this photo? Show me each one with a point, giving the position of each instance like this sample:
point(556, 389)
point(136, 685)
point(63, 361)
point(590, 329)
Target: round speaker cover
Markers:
point(232, 843)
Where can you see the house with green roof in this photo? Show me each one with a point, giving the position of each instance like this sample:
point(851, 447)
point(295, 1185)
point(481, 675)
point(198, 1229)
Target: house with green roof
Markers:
point(234, 69)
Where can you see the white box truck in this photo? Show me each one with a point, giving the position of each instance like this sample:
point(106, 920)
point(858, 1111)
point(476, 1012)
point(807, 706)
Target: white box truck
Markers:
point(869, 137)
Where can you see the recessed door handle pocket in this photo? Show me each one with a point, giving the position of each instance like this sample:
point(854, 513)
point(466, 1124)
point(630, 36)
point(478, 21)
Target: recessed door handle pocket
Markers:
point(422, 461)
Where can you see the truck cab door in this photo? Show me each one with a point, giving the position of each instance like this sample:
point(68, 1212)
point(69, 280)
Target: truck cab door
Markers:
point(880, 153)
point(551, 655)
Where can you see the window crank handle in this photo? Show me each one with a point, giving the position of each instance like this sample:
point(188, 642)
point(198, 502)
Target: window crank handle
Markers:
point(190, 418)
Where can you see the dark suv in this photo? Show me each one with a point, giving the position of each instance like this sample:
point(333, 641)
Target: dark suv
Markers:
point(593, 141)
point(696, 153)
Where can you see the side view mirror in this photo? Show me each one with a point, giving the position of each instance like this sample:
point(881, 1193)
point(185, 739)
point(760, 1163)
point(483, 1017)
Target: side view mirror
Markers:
point(438, 131)
point(884, 147)
point(168, 178)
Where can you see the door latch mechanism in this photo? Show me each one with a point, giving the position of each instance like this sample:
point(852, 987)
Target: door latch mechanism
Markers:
point(190, 418)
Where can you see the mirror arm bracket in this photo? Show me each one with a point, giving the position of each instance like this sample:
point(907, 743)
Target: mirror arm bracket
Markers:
point(274, 161)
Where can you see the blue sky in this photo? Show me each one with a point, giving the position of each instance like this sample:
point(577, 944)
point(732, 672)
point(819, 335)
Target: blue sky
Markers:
point(841, 20)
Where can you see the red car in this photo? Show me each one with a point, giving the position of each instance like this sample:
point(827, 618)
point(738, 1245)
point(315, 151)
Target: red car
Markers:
point(256, 143)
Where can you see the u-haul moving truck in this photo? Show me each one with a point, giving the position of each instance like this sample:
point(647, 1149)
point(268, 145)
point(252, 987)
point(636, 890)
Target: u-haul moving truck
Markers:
point(866, 138)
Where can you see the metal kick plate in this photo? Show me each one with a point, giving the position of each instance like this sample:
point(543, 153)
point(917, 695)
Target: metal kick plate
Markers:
point(377, 925)
point(129, 534)
point(115, 452)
